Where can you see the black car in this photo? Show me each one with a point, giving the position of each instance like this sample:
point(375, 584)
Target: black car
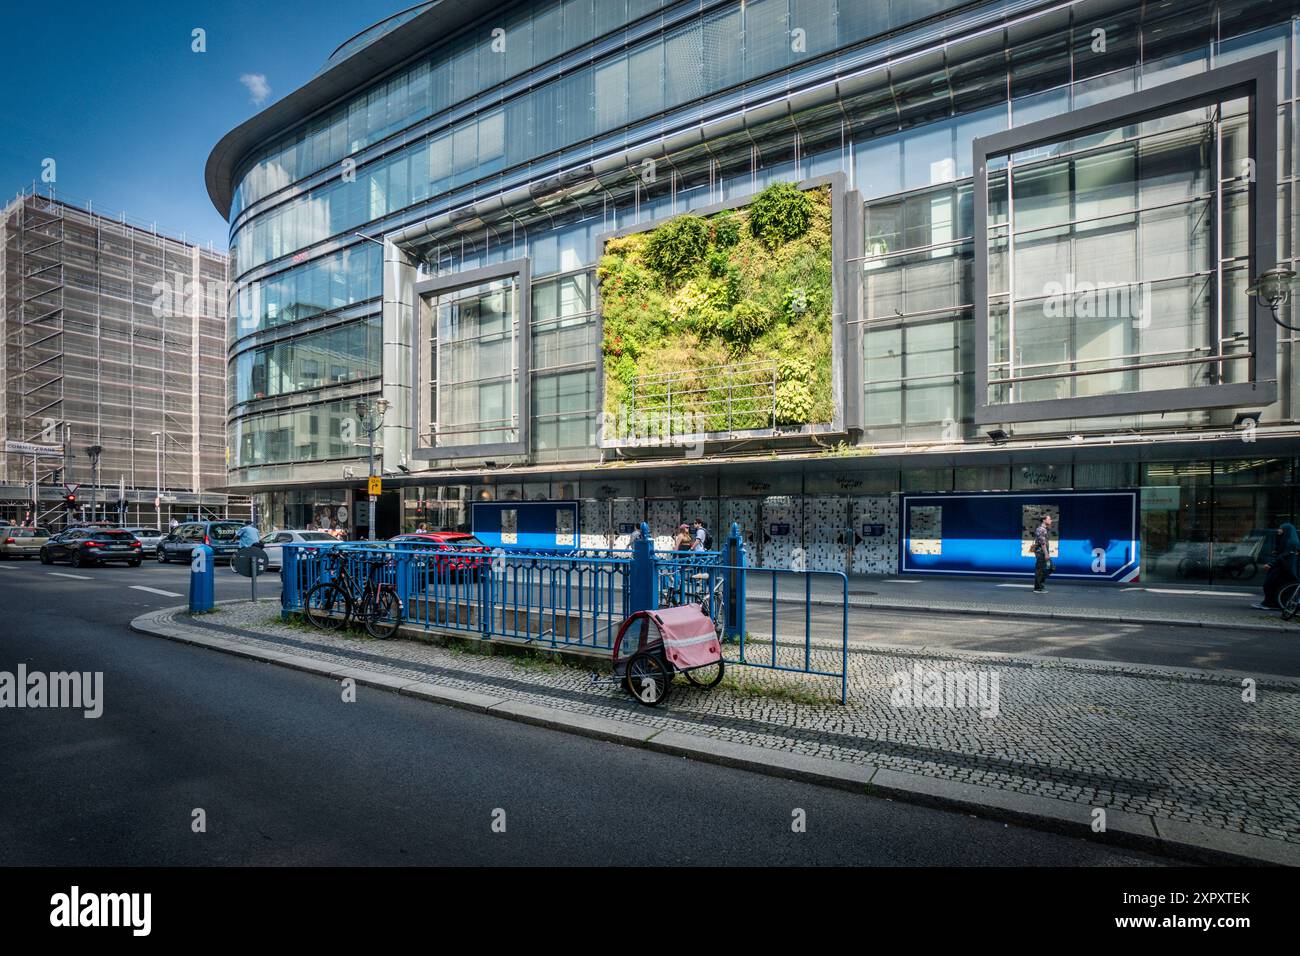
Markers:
point(83, 546)
point(221, 536)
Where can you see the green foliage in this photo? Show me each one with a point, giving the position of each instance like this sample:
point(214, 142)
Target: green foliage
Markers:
point(677, 246)
point(781, 213)
point(697, 293)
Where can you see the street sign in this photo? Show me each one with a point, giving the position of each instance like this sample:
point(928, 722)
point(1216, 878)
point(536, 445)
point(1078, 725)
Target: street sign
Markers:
point(30, 448)
point(376, 486)
point(72, 489)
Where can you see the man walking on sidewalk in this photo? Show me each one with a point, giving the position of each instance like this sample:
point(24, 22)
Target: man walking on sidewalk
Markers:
point(1043, 554)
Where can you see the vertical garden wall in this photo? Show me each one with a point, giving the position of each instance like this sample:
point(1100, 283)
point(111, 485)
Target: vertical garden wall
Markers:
point(726, 318)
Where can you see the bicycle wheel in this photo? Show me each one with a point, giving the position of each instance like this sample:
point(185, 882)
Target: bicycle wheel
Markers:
point(1289, 600)
point(648, 679)
point(710, 675)
point(328, 606)
point(383, 615)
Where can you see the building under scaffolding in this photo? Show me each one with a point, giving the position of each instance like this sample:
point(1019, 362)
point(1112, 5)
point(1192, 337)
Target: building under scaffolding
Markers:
point(113, 340)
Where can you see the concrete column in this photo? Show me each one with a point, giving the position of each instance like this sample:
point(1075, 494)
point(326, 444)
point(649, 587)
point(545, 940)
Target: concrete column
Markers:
point(398, 329)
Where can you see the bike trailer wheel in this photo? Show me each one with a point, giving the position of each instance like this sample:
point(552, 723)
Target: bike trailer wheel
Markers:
point(648, 678)
point(710, 675)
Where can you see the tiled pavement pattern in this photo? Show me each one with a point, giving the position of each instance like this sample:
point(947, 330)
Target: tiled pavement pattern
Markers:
point(1179, 746)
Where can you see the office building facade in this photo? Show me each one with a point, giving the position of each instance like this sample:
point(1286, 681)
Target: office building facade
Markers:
point(859, 277)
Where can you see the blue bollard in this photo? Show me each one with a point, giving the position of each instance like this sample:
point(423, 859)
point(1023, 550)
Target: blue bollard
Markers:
point(202, 579)
point(733, 556)
point(642, 594)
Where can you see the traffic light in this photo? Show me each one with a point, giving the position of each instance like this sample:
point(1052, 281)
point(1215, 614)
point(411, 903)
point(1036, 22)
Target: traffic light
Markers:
point(70, 501)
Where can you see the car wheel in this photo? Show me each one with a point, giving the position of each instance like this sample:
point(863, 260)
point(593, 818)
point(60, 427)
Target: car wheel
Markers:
point(76, 559)
point(162, 556)
point(135, 563)
point(45, 558)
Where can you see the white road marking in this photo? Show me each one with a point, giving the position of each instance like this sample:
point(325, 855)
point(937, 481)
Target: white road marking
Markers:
point(141, 587)
point(1244, 594)
point(61, 574)
point(901, 581)
point(1014, 585)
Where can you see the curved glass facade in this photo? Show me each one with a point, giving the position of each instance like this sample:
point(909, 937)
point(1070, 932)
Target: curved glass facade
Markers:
point(467, 120)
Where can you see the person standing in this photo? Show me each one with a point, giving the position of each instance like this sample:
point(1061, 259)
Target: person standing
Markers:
point(249, 535)
point(173, 524)
point(1282, 567)
point(1042, 549)
point(682, 540)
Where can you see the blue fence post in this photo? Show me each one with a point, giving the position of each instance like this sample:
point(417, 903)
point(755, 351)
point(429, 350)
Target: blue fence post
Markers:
point(643, 595)
point(734, 558)
point(288, 580)
point(402, 578)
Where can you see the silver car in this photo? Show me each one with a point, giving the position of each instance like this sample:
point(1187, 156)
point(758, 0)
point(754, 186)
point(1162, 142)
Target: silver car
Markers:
point(149, 538)
point(274, 543)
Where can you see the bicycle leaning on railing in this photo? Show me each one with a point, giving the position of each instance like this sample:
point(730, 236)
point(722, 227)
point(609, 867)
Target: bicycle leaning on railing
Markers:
point(332, 604)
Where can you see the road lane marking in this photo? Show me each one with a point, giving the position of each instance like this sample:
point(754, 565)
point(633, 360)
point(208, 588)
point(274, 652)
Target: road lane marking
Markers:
point(141, 587)
point(79, 577)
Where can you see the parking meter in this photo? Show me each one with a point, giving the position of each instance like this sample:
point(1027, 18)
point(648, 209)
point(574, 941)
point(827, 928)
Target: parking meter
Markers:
point(202, 579)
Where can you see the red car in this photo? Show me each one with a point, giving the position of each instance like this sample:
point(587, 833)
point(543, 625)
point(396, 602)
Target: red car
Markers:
point(459, 552)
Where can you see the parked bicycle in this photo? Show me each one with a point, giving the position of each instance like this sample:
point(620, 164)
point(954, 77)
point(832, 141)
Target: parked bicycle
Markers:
point(333, 604)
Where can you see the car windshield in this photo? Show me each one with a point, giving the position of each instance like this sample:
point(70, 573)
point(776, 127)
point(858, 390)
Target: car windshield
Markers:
point(114, 535)
point(224, 532)
point(315, 536)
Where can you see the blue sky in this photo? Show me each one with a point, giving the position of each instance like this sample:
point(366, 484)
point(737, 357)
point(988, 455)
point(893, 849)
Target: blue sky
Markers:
point(114, 94)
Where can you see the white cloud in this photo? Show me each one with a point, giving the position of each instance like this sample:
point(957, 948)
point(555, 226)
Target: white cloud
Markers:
point(257, 86)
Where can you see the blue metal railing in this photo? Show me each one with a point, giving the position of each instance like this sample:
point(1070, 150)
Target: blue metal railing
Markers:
point(578, 598)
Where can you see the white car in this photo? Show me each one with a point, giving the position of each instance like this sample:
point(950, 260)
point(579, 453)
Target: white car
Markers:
point(274, 543)
point(149, 538)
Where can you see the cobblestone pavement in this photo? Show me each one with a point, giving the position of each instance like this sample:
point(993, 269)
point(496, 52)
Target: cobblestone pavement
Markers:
point(1182, 746)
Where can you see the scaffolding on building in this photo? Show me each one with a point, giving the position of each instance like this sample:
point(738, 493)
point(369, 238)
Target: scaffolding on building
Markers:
point(114, 339)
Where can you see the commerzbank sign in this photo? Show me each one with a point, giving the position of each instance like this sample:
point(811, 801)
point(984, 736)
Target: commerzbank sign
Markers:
point(30, 448)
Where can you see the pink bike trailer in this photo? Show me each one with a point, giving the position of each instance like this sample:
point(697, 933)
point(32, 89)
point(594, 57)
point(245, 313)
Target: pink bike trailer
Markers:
point(688, 635)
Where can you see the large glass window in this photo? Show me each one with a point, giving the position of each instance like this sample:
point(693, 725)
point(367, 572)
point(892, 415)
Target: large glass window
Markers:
point(473, 350)
point(333, 357)
point(314, 433)
point(1112, 254)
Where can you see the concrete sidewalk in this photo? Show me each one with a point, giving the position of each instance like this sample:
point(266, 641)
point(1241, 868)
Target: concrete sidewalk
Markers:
point(1181, 605)
point(1176, 759)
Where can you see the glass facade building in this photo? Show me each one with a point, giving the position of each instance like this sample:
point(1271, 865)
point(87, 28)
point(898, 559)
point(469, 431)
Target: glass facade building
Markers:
point(1020, 303)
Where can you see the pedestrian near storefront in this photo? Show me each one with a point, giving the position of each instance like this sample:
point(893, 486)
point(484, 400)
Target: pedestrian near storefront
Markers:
point(1282, 567)
point(1043, 566)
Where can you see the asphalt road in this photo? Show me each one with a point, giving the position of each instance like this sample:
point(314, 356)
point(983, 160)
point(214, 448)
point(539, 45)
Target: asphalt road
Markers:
point(288, 773)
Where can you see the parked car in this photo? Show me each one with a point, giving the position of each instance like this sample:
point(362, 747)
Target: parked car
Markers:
point(460, 553)
point(85, 546)
point(18, 542)
point(274, 543)
point(149, 538)
point(221, 536)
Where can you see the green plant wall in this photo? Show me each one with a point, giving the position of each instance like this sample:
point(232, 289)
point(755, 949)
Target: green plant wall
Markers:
point(726, 304)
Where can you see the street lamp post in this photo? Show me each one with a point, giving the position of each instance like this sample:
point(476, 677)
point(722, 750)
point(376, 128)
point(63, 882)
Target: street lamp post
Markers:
point(93, 453)
point(157, 475)
point(363, 417)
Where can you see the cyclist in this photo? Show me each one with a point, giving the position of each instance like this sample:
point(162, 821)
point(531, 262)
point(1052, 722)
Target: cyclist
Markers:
point(1282, 569)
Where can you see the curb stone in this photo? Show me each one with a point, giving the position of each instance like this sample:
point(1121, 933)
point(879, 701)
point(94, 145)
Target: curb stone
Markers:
point(1138, 831)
